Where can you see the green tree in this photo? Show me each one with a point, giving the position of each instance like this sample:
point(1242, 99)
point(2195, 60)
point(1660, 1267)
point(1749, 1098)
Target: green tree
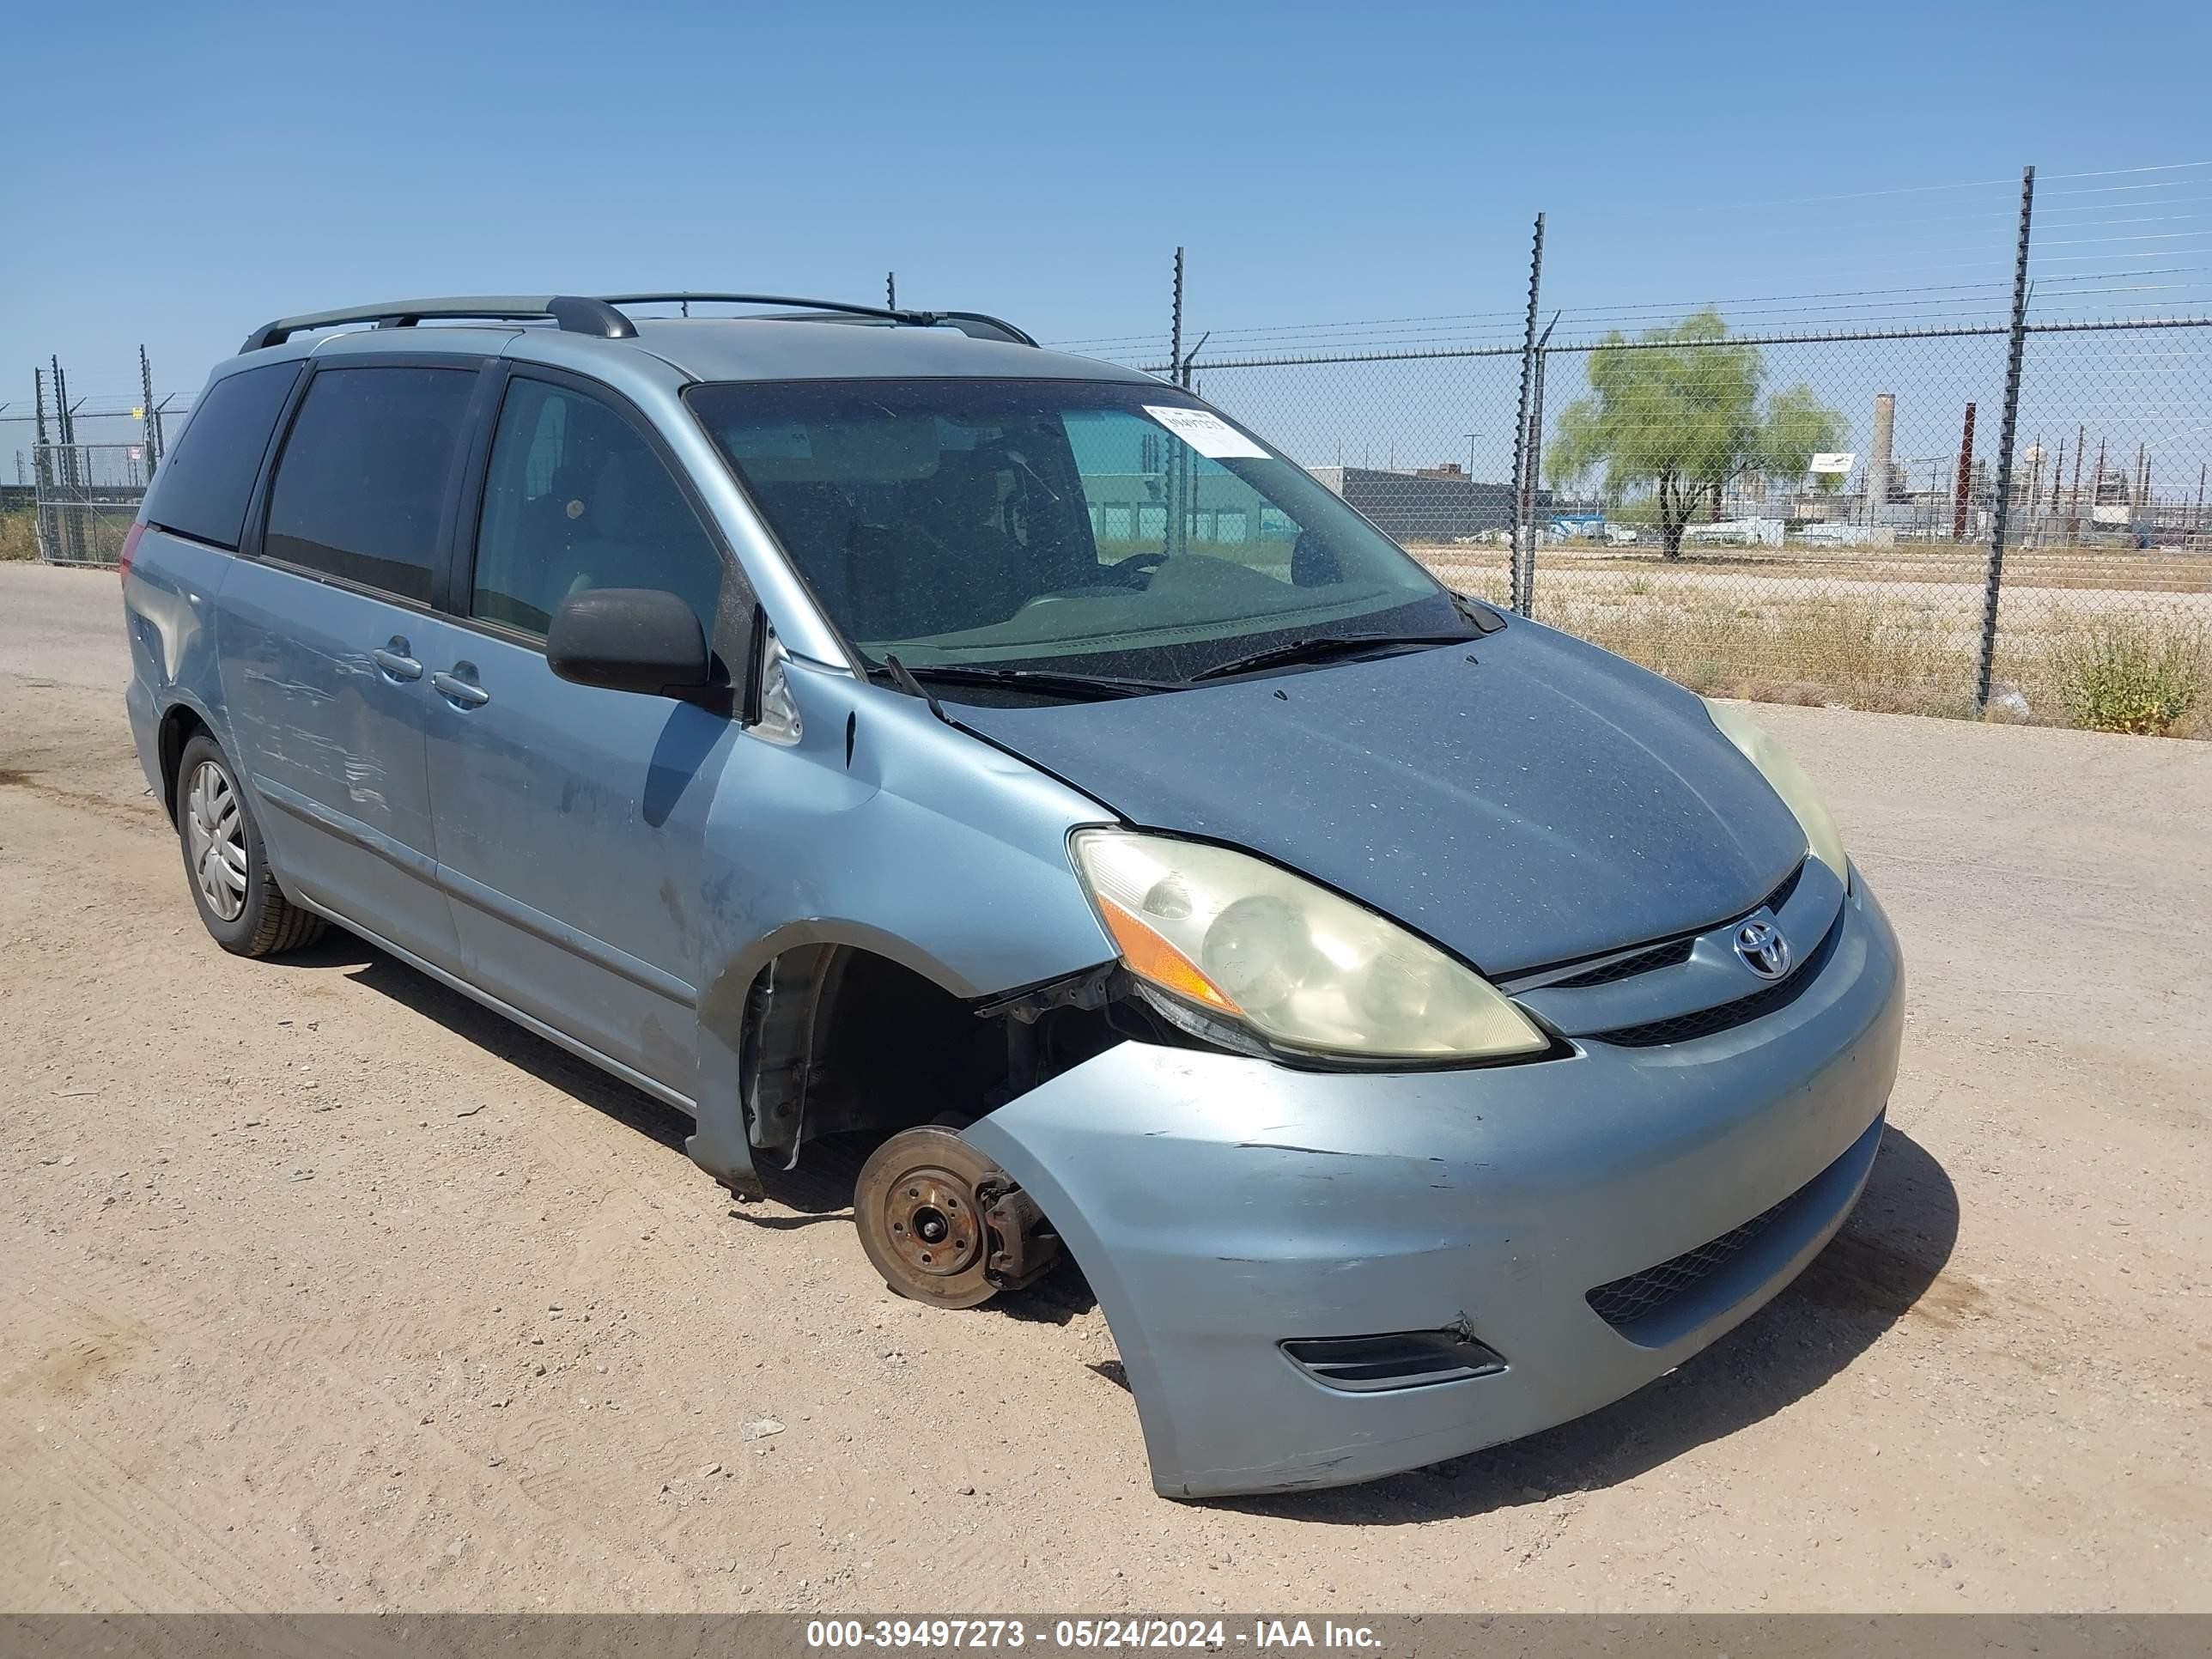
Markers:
point(1684, 419)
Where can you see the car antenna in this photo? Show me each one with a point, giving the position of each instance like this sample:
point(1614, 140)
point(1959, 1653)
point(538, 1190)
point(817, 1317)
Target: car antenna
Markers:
point(902, 676)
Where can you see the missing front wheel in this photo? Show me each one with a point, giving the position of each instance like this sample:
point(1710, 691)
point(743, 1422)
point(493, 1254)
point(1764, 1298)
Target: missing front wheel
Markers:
point(945, 1226)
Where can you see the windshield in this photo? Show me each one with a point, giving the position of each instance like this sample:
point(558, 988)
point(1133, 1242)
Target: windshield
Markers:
point(1098, 528)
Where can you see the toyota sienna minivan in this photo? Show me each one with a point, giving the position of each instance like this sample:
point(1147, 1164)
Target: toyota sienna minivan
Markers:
point(1419, 1026)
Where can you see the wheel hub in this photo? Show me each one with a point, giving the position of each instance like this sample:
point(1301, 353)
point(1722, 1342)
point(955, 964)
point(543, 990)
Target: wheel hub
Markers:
point(931, 1216)
point(942, 1222)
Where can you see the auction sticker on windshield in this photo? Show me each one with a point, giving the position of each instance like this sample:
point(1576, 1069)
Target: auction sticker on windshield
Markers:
point(1206, 433)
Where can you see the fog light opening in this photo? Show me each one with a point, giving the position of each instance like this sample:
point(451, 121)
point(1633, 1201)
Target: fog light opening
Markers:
point(1398, 1359)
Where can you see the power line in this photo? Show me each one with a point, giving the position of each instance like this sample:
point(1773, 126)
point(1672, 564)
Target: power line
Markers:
point(2121, 190)
point(2113, 173)
point(2139, 236)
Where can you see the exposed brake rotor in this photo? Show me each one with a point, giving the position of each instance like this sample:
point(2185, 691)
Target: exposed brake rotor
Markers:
point(942, 1224)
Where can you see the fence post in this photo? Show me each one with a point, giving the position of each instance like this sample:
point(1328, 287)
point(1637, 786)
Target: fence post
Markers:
point(1995, 582)
point(1174, 325)
point(1536, 469)
point(1175, 540)
point(65, 521)
point(146, 404)
point(1517, 596)
point(42, 463)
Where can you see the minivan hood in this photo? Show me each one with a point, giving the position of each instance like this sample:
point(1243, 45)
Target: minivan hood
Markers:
point(1544, 802)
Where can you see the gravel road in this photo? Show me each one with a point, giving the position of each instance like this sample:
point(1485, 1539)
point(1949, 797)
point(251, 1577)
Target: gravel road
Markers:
point(322, 1289)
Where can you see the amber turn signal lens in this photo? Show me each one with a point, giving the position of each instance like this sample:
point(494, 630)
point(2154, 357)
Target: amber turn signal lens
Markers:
point(1148, 956)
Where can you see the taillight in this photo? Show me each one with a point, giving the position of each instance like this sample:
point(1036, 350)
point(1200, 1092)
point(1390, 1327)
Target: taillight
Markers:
point(130, 550)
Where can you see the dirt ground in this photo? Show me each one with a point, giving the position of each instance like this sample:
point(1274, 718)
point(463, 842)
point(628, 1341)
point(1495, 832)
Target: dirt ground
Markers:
point(322, 1289)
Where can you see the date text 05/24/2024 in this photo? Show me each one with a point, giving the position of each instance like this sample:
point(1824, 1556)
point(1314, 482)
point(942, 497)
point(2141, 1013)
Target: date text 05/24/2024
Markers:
point(1205, 1634)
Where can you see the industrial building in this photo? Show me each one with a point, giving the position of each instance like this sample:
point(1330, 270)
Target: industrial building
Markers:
point(1428, 504)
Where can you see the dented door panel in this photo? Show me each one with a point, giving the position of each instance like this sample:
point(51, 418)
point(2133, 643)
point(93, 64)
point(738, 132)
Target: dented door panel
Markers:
point(327, 721)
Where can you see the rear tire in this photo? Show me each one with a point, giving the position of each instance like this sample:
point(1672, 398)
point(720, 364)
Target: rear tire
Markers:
point(238, 900)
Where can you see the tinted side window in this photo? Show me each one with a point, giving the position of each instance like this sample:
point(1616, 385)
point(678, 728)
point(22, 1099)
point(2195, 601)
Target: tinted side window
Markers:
point(202, 491)
point(362, 484)
point(577, 499)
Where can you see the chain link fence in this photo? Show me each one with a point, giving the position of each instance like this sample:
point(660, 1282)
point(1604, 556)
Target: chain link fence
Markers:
point(74, 469)
point(2006, 516)
point(1802, 520)
point(84, 500)
point(2001, 509)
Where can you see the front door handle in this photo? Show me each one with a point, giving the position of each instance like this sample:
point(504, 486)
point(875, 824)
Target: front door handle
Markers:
point(394, 662)
point(455, 690)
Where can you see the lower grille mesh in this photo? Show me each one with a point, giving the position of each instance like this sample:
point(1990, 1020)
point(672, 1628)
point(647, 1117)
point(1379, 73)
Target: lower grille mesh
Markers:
point(1626, 1300)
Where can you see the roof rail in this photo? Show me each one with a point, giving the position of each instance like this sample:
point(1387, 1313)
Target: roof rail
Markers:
point(575, 315)
point(992, 326)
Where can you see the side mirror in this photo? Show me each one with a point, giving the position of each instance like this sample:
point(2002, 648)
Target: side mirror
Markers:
point(631, 639)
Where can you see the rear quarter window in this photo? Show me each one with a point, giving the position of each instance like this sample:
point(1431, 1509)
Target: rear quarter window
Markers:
point(206, 482)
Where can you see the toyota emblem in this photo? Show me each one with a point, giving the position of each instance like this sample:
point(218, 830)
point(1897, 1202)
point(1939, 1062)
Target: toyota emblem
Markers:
point(1763, 949)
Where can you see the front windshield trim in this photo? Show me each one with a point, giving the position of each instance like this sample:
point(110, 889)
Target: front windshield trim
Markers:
point(1402, 595)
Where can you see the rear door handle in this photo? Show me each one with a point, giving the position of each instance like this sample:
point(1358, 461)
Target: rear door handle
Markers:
point(393, 660)
point(467, 693)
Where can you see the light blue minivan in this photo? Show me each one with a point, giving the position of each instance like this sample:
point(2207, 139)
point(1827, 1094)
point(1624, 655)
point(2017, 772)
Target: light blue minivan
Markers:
point(1419, 1026)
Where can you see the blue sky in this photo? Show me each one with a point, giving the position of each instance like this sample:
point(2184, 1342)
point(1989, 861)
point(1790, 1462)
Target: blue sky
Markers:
point(176, 175)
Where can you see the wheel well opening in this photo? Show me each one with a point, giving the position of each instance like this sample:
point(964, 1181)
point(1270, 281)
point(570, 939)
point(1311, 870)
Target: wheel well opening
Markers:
point(856, 1060)
point(842, 1041)
point(179, 726)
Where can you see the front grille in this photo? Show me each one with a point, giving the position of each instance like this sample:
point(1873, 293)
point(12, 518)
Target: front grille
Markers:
point(1626, 1300)
point(1669, 953)
point(1687, 1027)
point(1780, 897)
point(1673, 954)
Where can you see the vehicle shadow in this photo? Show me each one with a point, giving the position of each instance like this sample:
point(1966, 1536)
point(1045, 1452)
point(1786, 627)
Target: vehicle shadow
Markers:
point(1886, 1264)
point(419, 994)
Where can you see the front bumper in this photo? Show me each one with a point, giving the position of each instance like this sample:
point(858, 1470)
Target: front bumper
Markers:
point(1221, 1206)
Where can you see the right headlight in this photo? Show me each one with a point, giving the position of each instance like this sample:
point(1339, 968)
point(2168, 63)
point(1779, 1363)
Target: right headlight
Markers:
point(1788, 780)
point(1244, 941)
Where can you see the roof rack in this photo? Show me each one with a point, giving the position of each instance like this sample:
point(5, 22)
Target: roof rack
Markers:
point(597, 316)
point(991, 327)
point(573, 315)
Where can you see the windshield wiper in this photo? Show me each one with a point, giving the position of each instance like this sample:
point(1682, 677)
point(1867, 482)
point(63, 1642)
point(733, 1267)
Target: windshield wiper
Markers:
point(1320, 650)
point(1046, 680)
